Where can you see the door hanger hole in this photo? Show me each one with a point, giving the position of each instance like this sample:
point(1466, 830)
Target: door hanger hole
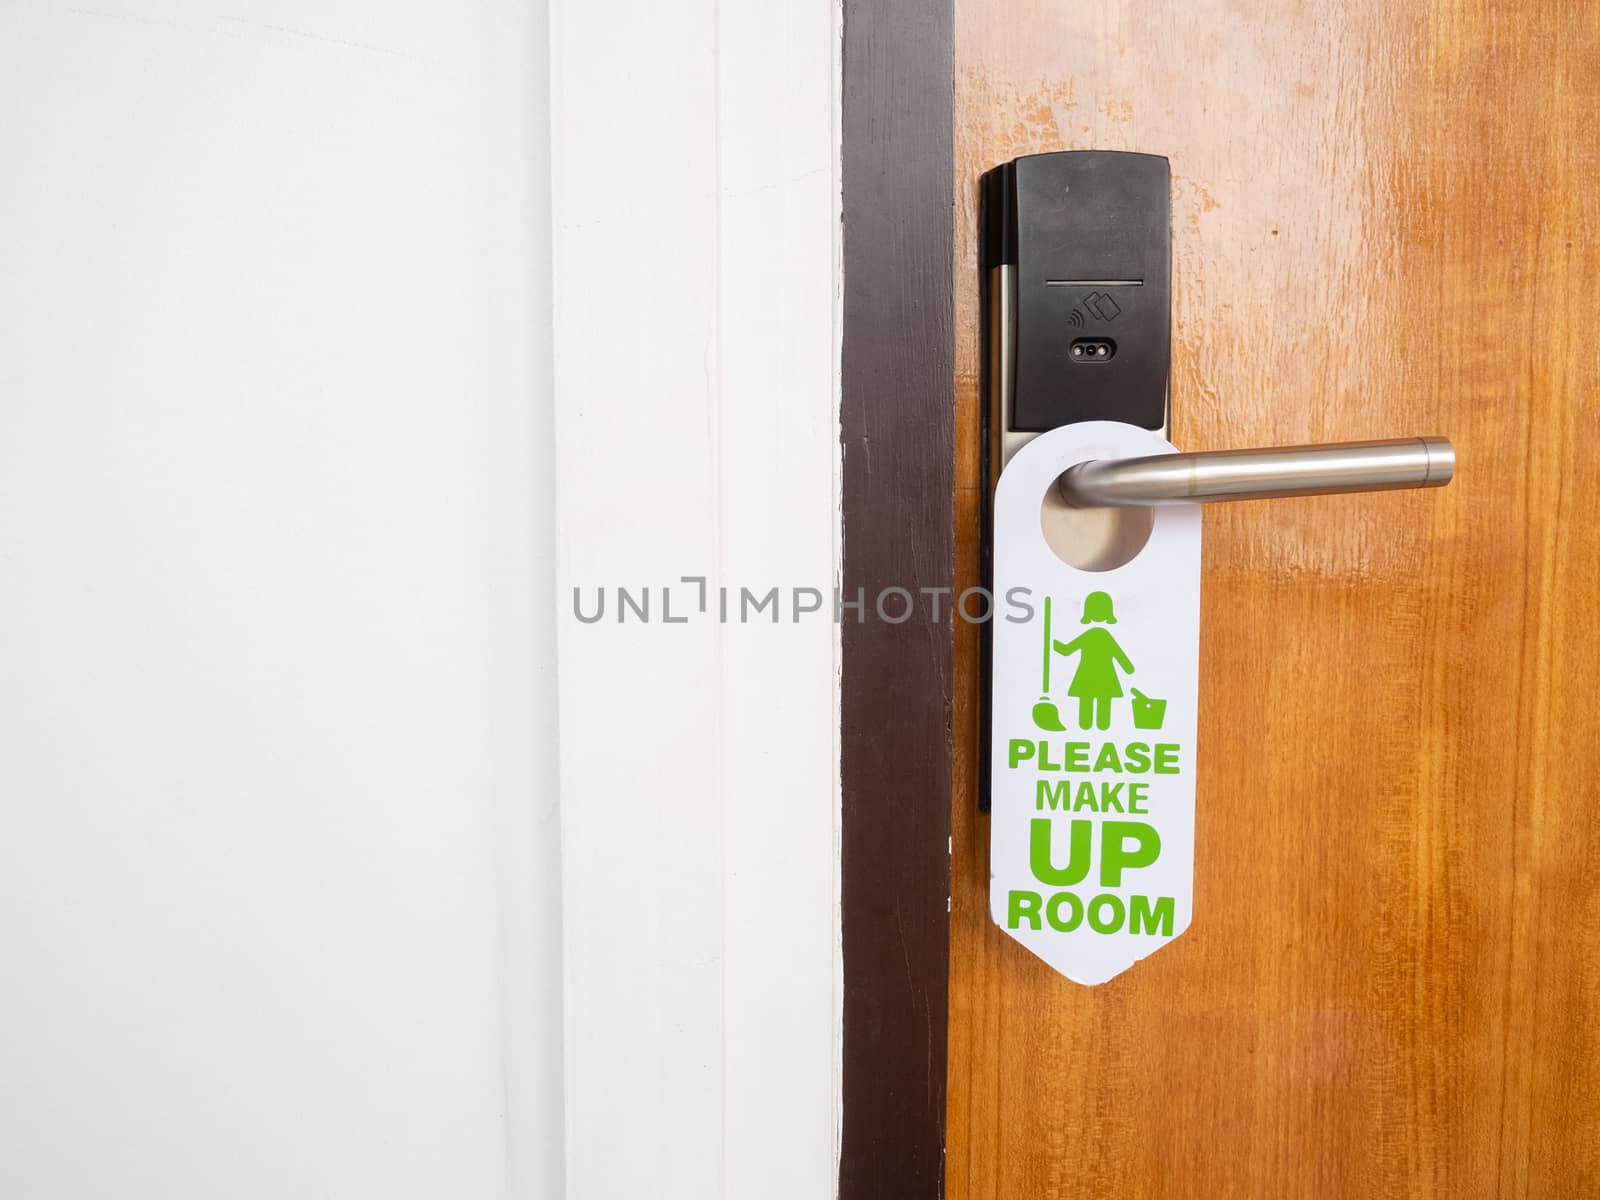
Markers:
point(1093, 539)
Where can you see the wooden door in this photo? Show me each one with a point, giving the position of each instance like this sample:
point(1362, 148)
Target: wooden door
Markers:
point(1386, 222)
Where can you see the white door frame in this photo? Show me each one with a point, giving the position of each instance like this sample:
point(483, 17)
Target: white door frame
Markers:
point(695, 224)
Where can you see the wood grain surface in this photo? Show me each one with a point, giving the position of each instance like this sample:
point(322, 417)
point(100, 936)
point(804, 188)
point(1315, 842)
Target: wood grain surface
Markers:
point(1385, 223)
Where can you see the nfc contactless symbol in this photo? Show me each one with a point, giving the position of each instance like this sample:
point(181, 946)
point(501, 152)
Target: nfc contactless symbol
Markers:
point(1102, 306)
point(1075, 318)
point(1096, 682)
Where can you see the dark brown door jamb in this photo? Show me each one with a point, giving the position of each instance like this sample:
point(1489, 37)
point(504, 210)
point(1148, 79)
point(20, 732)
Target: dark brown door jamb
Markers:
point(897, 429)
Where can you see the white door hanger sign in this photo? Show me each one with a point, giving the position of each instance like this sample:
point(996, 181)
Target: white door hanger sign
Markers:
point(1093, 714)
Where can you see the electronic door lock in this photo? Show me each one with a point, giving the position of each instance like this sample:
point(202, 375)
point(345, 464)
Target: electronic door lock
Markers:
point(1077, 277)
point(1077, 253)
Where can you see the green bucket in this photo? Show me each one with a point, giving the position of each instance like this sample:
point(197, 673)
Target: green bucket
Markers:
point(1147, 713)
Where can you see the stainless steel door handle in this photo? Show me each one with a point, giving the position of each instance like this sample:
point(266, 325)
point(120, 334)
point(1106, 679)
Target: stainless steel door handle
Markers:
point(1211, 475)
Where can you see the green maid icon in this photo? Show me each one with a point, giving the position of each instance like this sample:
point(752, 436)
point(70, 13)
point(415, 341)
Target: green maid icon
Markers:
point(1095, 682)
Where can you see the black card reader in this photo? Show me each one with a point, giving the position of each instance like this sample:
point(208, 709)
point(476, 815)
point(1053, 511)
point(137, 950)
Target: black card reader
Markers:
point(1080, 242)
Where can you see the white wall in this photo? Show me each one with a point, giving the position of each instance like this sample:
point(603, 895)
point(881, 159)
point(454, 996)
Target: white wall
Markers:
point(278, 883)
point(696, 213)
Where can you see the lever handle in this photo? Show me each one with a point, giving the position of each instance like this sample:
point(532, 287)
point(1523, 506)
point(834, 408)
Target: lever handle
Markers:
point(1210, 475)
